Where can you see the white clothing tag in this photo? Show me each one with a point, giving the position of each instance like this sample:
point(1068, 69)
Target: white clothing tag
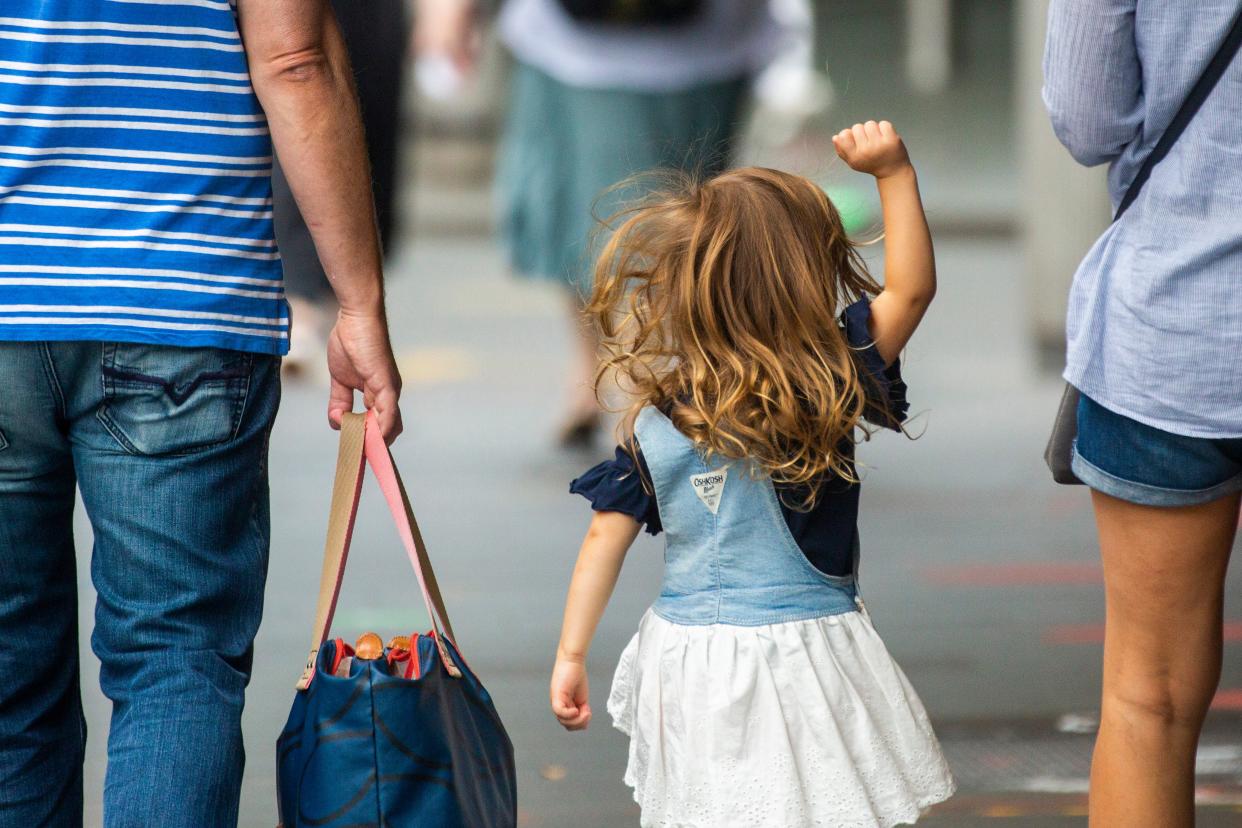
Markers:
point(709, 486)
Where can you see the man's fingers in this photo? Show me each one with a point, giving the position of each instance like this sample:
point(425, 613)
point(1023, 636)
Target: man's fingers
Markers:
point(340, 402)
point(886, 129)
point(398, 426)
point(388, 414)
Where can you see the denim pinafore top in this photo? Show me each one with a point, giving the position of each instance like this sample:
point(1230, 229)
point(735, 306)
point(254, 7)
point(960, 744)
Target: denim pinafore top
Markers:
point(729, 556)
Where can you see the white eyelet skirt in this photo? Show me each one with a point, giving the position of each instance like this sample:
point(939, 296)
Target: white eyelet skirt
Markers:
point(806, 723)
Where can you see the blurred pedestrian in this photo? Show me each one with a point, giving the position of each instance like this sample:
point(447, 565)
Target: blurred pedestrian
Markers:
point(756, 691)
point(1155, 333)
point(377, 37)
point(601, 91)
point(140, 333)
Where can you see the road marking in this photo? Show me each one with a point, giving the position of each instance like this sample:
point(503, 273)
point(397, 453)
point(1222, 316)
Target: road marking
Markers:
point(1049, 573)
point(553, 773)
point(433, 365)
point(1094, 633)
point(1002, 811)
point(1011, 805)
point(1219, 795)
point(1227, 700)
point(1073, 634)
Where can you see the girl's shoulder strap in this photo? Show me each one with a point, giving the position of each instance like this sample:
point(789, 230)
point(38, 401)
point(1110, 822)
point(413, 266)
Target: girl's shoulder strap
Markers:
point(664, 448)
point(656, 432)
point(670, 458)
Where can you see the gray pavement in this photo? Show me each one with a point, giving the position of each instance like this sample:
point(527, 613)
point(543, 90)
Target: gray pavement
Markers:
point(980, 574)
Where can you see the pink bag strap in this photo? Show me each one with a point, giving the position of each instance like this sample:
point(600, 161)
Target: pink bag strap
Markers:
point(361, 438)
point(385, 470)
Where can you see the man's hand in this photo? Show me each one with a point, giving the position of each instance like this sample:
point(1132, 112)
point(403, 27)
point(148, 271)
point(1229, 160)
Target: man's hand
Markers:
point(873, 148)
point(360, 359)
point(300, 70)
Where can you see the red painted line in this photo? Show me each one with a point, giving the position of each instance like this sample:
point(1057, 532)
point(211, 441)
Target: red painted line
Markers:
point(1094, 633)
point(1227, 700)
point(1074, 634)
point(1006, 804)
point(1003, 575)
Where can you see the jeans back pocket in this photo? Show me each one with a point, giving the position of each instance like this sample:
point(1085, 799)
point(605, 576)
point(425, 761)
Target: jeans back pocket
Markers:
point(162, 399)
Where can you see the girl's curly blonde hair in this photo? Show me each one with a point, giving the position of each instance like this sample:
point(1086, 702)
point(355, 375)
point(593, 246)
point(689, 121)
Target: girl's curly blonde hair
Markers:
point(717, 301)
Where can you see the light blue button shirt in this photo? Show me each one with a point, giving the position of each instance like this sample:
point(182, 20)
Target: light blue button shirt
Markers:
point(1155, 319)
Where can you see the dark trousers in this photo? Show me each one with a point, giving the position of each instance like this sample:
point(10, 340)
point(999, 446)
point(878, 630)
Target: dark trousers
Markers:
point(377, 34)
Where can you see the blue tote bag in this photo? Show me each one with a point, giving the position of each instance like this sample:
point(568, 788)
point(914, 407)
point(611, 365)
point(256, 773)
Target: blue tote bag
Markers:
point(400, 737)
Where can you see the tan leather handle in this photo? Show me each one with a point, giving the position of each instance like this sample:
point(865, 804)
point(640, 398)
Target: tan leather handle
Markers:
point(346, 488)
point(361, 441)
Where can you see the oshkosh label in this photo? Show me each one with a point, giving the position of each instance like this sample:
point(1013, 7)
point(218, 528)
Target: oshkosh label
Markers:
point(709, 486)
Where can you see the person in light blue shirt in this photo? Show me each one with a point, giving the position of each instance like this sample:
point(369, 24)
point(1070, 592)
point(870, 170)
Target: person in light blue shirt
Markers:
point(1155, 347)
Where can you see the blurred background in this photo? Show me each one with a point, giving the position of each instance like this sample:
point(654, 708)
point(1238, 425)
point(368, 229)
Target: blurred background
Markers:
point(981, 575)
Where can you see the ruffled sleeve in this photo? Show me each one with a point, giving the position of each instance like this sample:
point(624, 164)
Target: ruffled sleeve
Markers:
point(886, 391)
point(616, 485)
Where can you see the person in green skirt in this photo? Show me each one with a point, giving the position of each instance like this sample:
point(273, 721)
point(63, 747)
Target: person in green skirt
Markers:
point(603, 90)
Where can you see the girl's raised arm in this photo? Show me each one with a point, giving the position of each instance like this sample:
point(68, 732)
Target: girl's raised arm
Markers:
point(599, 563)
point(909, 261)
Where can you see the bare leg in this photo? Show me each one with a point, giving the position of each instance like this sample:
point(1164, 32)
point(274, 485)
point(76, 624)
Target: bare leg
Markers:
point(1164, 573)
point(582, 415)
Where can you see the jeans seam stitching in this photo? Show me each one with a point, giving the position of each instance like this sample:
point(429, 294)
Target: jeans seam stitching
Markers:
point(239, 405)
point(49, 373)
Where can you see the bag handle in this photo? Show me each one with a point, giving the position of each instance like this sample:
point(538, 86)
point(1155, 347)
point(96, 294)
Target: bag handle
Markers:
point(361, 442)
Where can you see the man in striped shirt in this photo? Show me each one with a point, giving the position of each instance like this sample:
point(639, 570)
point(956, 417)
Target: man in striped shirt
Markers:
point(141, 322)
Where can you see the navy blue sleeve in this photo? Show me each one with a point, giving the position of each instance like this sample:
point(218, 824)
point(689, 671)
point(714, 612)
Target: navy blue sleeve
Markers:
point(886, 391)
point(617, 486)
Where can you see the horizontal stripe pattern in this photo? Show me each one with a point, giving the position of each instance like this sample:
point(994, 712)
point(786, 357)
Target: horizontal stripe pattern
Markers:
point(135, 178)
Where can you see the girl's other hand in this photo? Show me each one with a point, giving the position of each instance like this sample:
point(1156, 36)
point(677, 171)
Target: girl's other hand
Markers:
point(569, 694)
point(873, 148)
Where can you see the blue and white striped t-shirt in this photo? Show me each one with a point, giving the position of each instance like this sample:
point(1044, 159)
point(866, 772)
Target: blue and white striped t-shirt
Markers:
point(135, 178)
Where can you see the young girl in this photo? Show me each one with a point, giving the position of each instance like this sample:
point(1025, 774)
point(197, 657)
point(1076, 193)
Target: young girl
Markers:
point(756, 692)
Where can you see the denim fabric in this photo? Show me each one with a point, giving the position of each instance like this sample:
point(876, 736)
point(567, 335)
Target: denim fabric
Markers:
point(168, 447)
point(738, 564)
point(1135, 462)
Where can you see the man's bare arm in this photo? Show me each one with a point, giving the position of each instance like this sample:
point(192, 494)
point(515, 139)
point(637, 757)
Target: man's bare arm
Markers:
point(301, 74)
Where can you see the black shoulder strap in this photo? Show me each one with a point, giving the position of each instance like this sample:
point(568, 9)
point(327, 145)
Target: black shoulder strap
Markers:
point(1198, 94)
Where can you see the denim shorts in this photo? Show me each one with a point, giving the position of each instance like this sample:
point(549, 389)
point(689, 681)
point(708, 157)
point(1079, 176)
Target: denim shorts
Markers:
point(1141, 464)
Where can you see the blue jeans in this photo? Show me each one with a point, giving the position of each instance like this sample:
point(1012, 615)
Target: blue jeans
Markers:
point(168, 447)
point(1135, 462)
